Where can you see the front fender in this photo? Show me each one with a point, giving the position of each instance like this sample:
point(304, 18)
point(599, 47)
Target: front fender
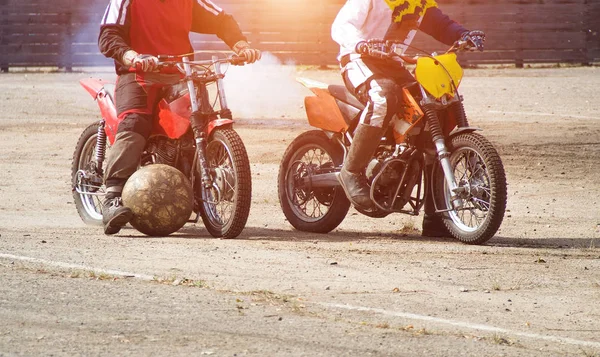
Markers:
point(464, 129)
point(217, 123)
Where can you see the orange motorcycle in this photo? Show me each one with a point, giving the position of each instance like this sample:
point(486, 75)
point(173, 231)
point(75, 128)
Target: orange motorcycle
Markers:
point(467, 183)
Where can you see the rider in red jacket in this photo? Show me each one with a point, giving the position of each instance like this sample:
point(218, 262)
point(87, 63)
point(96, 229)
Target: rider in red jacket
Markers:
point(134, 33)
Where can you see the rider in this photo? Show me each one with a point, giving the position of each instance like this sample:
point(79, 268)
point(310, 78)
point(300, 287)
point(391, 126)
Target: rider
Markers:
point(377, 82)
point(133, 33)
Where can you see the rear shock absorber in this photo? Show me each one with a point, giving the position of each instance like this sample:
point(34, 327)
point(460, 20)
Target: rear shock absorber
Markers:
point(100, 146)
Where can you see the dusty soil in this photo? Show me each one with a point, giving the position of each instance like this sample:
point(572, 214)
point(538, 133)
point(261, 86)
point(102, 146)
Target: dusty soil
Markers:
point(371, 287)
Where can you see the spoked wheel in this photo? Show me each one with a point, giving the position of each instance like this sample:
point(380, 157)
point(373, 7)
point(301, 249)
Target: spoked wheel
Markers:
point(225, 206)
point(311, 209)
point(480, 176)
point(87, 177)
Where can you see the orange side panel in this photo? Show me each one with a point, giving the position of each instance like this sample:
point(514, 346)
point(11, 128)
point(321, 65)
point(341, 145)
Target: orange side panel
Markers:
point(323, 112)
point(399, 138)
point(411, 110)
point(411, 113)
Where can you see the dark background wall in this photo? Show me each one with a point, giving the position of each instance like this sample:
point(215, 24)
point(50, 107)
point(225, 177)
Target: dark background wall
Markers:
point(63, 33)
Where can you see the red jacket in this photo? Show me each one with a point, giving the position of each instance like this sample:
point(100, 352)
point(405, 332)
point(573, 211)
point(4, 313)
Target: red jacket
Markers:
point(161, 27)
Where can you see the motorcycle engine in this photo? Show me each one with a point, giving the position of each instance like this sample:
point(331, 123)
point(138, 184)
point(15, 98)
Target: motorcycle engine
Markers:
point(393, 180)
point(160, 150)
point(373, 169)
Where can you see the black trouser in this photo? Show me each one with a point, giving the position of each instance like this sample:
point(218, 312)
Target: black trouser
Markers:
point(136, 98)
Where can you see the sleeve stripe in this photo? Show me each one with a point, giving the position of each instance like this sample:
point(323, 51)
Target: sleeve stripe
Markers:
point(105, 17)
point(210, 6)
point(116, 12)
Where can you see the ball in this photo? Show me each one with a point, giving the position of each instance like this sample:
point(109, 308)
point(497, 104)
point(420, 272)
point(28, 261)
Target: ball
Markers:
point(161, 198)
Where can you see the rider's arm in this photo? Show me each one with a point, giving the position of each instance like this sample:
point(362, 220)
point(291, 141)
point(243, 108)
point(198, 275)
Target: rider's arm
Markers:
point(439, 26)
point(113, 40)
point(210, 19)
point(346, 28)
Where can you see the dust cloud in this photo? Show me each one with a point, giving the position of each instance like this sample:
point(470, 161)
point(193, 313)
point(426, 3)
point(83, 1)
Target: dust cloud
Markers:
point(266, 89)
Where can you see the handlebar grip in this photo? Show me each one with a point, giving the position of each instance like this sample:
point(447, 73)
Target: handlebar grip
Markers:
point(237, 60)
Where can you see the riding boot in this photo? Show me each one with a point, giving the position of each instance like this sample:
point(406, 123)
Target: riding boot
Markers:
point(352, 178)
point(114, 215)
point(432, 222)
point(122, 161)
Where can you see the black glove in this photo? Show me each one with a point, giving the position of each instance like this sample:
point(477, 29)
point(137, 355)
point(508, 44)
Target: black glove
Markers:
point(362, 48)
point(474, 39)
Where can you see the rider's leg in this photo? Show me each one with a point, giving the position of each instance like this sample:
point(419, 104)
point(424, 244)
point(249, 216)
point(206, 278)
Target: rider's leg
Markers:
point(122, 161)
point(381, 106)
point(134, 107)
point(352, 177)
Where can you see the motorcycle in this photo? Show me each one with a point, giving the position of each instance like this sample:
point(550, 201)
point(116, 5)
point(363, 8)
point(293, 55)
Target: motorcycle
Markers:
point(191, 133)
point(467, 182)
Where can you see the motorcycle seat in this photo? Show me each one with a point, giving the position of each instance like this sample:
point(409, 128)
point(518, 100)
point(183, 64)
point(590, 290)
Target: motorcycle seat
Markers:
point(341, 93)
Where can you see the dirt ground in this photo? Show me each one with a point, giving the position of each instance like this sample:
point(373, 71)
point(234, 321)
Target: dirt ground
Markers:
point(371, 287)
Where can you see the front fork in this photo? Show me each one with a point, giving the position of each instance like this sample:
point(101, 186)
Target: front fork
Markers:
point(441, 149)
point(199, 121)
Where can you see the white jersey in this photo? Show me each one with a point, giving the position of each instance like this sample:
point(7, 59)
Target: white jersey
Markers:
point(360, 20)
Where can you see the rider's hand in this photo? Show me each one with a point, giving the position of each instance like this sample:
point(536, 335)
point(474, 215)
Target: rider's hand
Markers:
point(474, 39)
point(144, 63)
point(242, 48)
point(362, 48)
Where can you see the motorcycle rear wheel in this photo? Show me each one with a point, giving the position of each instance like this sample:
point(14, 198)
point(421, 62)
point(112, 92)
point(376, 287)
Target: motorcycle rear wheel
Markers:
point(86, 182)
point(317, 210)
point(479, 169)
point(225, 206)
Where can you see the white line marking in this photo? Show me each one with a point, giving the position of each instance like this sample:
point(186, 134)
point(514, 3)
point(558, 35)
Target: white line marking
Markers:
point(544, 114)
point(77, 266)
point(406, 315)
point(464, 324)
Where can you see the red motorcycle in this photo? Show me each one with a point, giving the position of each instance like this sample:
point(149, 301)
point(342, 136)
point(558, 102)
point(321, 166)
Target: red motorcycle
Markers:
point(191, 133)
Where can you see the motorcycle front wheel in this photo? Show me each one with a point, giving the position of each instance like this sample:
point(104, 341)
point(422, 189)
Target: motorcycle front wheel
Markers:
point(225, 206)
point(310, 209)
point(86, 177)
point(481, 179)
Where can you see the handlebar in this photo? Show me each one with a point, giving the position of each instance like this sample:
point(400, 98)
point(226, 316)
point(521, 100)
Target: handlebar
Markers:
point(386, 49)
point(177, 62)
point(171, 60)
